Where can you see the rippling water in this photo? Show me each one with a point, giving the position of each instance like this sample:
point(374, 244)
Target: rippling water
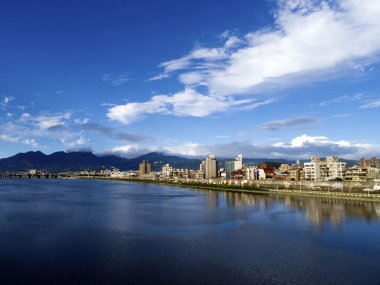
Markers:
point(105, 232)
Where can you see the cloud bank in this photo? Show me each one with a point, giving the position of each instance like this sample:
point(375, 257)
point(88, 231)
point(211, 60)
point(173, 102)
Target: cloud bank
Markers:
point(186, 103)
point(301, 147)
point(307, 36)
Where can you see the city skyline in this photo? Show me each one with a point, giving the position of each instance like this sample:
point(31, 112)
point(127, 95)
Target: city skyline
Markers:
point(273, 79)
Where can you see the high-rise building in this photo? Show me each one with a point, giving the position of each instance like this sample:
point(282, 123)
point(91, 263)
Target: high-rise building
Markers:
point(233, 165)
point(209, 166)
point(145, 167)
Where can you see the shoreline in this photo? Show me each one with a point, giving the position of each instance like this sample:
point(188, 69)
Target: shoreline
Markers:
point(259, 191)
point(320, 194)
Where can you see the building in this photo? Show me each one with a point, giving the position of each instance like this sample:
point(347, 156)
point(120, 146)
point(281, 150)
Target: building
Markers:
point(328, 169)
point(373, 173)
point(373, 161)
point(357, 173)
point(336, 169)
point(209, 167)
point(251, 173)
point(222, 173)
point(144, 167)
point(261, 174)
point(199, 174)
point(268, 170)
point(167, 171)
point(284, 168)
point(233, 165)
point(237, 174)
point(312, 169)
point(295, 172)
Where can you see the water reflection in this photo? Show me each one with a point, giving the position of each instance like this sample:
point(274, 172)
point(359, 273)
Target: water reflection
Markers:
point(318, 211)
point(105, 232)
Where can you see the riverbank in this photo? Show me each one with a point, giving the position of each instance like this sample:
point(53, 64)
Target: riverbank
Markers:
point(328, 195)
point(366, 197)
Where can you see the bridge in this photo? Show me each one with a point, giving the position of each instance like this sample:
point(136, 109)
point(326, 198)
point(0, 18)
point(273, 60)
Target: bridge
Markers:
point(33, 176)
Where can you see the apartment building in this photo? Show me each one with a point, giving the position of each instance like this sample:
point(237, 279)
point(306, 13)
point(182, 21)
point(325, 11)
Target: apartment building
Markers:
point(328, 169)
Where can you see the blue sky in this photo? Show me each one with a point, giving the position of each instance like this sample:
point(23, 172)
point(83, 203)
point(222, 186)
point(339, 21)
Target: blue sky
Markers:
point(275, 79)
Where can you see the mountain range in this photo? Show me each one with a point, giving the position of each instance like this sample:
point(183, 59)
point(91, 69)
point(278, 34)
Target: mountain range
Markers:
point(75, 161)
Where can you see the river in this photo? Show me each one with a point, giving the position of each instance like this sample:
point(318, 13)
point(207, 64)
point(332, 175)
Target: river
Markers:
point(57, 231)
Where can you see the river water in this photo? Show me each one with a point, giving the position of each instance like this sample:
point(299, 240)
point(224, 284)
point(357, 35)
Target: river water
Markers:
point(106, 232)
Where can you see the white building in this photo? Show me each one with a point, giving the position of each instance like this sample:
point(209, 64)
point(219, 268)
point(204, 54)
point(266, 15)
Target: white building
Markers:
point(167, 171)
point(250, 172)
point(120, 174)
point(312, 170)
point(329, 169)
point(238, 163)
point(233, 165)
point(336, 169)
point(253, 173)
point(262, 174)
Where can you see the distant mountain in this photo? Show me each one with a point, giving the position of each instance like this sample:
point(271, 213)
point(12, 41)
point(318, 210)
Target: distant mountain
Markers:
point(73, 161)
point(58, 161)
point(157, 160)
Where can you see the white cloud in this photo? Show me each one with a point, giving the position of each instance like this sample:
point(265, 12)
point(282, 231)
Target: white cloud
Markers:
point(116, 79)
point(160, 76)
point(29, 129)
point(259, 104)
point(301, 147)
point(192, 78)
point(107, 104)
point(304, 139)
point(31, 142)
point(80, 121)
point(201, 55)
point(371, 105)
point(8, 138)
point(341, 115)
point(232, 41)
point(308, 36)
point(125, 150)
point(186, 103)
point(343, 99)
point(45, 121)
point(6, 100)
point(73, 141)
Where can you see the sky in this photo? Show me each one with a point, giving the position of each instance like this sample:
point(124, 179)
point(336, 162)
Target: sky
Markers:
point(264, 78)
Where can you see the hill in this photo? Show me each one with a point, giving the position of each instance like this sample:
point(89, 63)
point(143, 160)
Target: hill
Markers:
point(74, 161)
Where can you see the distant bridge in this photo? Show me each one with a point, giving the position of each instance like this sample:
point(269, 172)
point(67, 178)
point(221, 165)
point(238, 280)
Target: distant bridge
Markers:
point(35, 176)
